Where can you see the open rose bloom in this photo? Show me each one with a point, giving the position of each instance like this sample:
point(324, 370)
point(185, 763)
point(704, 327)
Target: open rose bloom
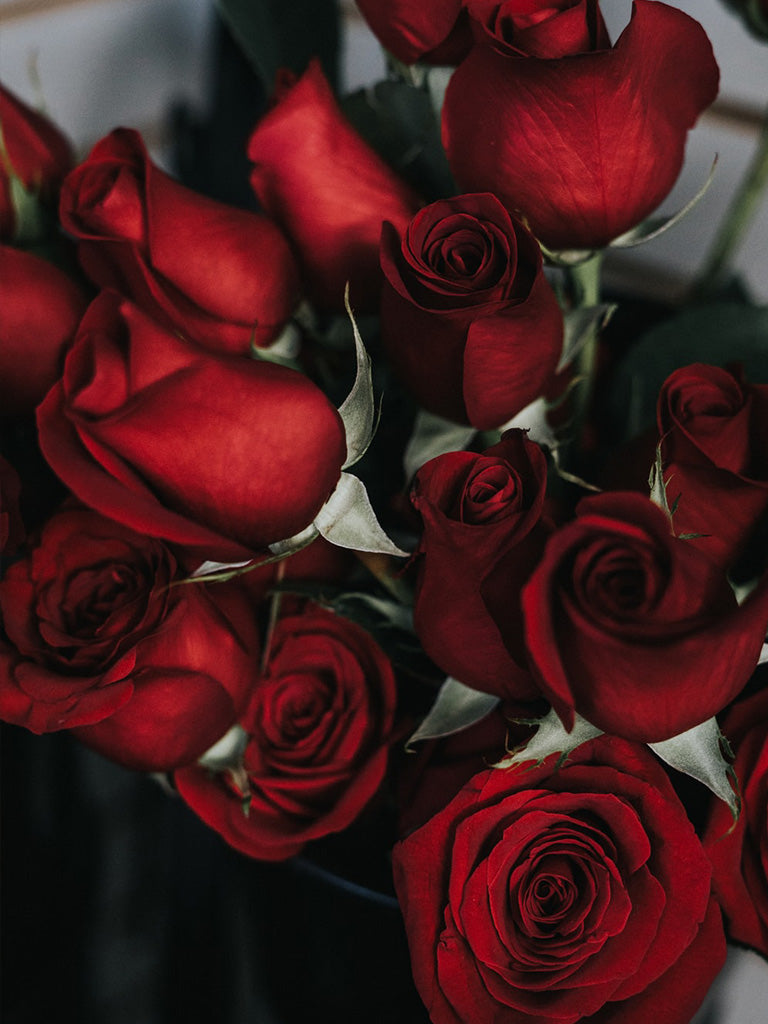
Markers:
point(311, 510)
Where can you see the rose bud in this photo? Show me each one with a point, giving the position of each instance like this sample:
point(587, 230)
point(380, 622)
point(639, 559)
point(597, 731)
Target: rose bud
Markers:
point(739, 852)
point(468, 319)
point(220, 276)
point(219, 454)
point(97, 639)
point(434, 33)
point(580, 139)
point(483, 526)
point(318, 726)
point(39, 314)
point(328, 189)
point(632, 628)
point(714, 436)
point(570, 894)
point(36, 152)
point(11, 526)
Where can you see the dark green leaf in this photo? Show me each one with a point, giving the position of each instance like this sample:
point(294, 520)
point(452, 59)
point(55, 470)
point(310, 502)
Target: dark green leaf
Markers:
point(398, 121)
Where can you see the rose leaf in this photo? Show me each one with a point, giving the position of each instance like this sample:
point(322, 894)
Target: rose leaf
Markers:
point(432, 436)
point(358, 410)
point(347, 520)
point(551, 737)
point(227, 751)
point(456, 707)
point(698, 753)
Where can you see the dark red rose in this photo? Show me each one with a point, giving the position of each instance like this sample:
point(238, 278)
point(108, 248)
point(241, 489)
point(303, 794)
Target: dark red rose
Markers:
point(220, 454)
point(582, 146)
point(550, 29)
point(318, 725)
point(467, 316)
point(434, 33)
point(221, 276)
point(38, 154)
point(483, 526)
point(39, 314)
point(635, 629)
point(543, 895)
point(11, 526)
point(739, 853)
point(714, 433)
point(96, 639)
point(328, 189)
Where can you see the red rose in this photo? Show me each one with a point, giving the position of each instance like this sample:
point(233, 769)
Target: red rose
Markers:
point(39, 314)
point(38, 154)
point(482, 518)
point(634, 629)
point(218, 275)
point(11, 526)
point(97, 640)
point(739, 853)
point(434, 33)
point(467, 316)
point(221, 454)
point(551, 29)
point(714, 433)
point(579, 894)
point(586, 145)
point(318, 725)
point(329, 191)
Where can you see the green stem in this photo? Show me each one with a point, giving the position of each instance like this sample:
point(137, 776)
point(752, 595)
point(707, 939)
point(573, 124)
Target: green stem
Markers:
point(737, 220)
point(585, 283)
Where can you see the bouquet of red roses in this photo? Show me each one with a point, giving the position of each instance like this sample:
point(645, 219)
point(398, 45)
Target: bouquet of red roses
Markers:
point(370, 501)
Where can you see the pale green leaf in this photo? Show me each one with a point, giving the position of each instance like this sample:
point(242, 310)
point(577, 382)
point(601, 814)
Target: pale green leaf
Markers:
point(348, 520)
point(432, 436)
point(456, 707)
point(698, 753)
point(358, 410)
point(551, 737)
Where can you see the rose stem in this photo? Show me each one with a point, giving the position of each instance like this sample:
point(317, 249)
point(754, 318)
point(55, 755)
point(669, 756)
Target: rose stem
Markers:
point(737, 220)
point(585, 284)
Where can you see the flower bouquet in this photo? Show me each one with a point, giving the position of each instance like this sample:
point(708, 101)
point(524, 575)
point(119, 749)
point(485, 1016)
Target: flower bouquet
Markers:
point(369, 524)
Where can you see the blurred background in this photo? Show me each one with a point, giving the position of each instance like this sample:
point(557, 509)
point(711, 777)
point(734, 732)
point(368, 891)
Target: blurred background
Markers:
point(118, 906)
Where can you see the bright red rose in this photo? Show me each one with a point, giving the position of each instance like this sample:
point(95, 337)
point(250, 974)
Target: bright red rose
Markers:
point(328, 189)
point(39, 314)
point(542, 895)
point(218, 275)
point(483, 526)
point(220, 454)
point(467, 317)
point(434, 33)
point(38, 154)
point(97, 639)
point(318, 724)
point(739, 853)
point(714, 433)
point(11, 526)
point(583, 146)
point(634, 629)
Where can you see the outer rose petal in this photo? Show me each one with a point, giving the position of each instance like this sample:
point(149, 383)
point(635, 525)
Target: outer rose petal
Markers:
point(220, 454)
point(329, 191)
point(587, 146)
point(739, 852)
point(39, 314)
